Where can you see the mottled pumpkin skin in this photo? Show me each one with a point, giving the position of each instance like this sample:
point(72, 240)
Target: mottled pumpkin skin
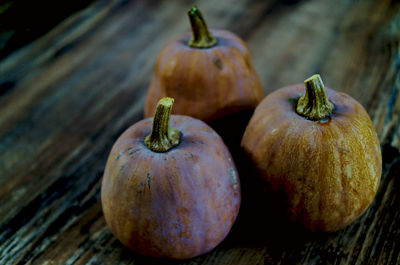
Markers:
point(207, 84)
point(177, 204)
point(329, 170)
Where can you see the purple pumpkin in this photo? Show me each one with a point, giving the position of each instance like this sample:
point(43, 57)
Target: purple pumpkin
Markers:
point(170, 193)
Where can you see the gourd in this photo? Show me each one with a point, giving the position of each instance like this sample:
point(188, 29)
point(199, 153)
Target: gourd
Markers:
point(209, 73)
point(319, 149)
point(170, 188)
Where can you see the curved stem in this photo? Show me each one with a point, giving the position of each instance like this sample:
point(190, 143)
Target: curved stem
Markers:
point(201, 38)
point(162, 137)
point(314, 105)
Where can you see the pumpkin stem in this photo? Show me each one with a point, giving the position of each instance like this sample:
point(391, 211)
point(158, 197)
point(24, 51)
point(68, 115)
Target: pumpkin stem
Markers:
point(162, 137)
point(201, 38)
point(314, 105)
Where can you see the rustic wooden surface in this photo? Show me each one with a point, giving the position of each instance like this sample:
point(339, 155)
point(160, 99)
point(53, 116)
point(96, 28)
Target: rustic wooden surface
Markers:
point(67, 96)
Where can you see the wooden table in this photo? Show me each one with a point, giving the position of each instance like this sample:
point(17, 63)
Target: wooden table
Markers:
point(67, 96)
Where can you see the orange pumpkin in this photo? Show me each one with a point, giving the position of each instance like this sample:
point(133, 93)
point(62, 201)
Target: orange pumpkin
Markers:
point(170, 192)
point(319, 149)
point(209, 73)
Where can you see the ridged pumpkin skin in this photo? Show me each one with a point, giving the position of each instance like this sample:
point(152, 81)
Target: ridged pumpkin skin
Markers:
point(177, 204)
point(207, 84)
point(329, 170)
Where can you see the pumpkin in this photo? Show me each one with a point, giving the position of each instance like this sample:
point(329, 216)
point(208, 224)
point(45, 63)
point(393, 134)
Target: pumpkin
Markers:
point(319, 149)
point(171, 189)
point(209, 73)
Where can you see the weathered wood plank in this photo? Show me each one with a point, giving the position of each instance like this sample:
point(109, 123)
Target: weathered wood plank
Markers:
point(73, 91)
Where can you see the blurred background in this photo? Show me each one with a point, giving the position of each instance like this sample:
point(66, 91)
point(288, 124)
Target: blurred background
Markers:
point(73, 77)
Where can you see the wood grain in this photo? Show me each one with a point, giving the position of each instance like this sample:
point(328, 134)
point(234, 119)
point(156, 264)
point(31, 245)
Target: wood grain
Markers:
point(67, 96)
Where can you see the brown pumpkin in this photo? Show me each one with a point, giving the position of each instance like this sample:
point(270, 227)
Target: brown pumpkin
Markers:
point(319, 149)
point(210, 74)
point(170, 193)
